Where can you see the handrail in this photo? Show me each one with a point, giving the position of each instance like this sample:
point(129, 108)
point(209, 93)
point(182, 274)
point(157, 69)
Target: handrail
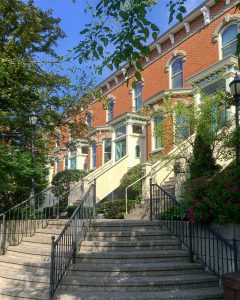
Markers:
point(204, 243)
point(66, 246)
point(24, 218)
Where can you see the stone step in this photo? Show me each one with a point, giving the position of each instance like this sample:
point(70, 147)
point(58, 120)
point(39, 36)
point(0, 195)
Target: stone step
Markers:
point(25, 274)
point(124, 284)
point(133, 256)
point(29, 251)
point(136, 216)
point(16, 292)
point(136, 269)
point(190, 294)
point(129, 245)
point(129, 236)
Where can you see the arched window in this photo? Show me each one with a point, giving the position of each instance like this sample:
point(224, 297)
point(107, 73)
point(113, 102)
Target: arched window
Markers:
point(229, 40)
point(94, 155)
point(177, 73)
point(137, 151)
point(138, 97)
point(111, 109)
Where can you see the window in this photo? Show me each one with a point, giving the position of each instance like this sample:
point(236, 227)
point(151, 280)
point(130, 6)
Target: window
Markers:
point(110, 109)
point(138, 97)
point(177, 73)
point(66, 163)
point(137, 151)
point(229, 40)
point(58, 139)
point(120, 149)
point(120, 131)
point(89, 119)
point(137, 129)
point(182, 129)
point(57, 166)
point(84, 150)
point(94, 155)
point(157, 128)
point(219, 116)
point(107, 150)
point(73, 160)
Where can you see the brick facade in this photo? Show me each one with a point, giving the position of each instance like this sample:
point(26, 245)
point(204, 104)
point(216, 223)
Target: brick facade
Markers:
point(199, 52)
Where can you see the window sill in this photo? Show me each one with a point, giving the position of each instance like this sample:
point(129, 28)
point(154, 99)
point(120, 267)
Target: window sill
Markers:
point(157, 150)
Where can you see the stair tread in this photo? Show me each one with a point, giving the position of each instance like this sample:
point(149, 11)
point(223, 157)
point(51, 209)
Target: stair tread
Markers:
point(130, 281)
point(190, 294)
point(135, 266)
point(130, 243)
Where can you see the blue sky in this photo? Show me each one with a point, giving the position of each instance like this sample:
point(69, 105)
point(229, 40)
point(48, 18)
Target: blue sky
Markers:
point(73, 19)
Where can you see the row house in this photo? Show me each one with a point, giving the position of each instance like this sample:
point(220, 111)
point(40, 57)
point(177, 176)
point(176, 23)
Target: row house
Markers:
point(199, 52)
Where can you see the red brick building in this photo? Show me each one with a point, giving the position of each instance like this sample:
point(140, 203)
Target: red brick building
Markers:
point(197, 53)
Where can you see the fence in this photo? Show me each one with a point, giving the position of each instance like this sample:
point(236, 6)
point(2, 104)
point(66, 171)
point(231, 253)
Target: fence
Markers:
point(66, 246)
point(23, 219)
point(203, 242)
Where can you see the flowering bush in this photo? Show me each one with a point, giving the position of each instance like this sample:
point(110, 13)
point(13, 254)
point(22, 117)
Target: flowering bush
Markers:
point(216, 200)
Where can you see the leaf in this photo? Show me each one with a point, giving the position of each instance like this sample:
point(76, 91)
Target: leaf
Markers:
point(154, 35)
point(138, 76)
point(154, 27)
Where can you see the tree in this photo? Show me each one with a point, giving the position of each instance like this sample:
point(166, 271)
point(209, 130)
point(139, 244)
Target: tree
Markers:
point(30, 80)
point(208, 120)
point(63, 180)
point(203, 162)
point(125, 27)
point(130, 177)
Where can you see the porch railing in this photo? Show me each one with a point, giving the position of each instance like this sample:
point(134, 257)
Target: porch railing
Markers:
point(66, 246)
point(203, 242)
point(23, 219)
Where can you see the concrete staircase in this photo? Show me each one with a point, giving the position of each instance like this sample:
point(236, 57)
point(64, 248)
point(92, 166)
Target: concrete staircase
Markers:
point(141, 211)
point(25, 268)
point(135, 260)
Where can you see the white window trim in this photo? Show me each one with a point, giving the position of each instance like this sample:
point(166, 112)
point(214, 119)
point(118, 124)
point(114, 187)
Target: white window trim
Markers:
point(103, 150)
point(170, 71)
point(107, 111)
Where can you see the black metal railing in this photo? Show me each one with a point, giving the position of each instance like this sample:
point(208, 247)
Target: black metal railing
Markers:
point(23, 219)
point(66, 246)
point(203, 242)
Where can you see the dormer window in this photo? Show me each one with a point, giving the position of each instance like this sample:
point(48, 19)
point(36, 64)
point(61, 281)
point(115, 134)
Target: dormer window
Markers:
point(177, 73)
point(229, 40)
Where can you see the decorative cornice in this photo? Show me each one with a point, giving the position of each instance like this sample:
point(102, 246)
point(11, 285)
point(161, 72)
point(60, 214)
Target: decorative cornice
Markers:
point(220, 65)
point(206, 15)
point(162, 94)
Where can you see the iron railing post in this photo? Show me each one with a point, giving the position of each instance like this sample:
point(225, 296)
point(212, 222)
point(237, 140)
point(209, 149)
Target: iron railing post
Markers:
point(235, 255)
point(52, 268)
point(190, 231)
point(94, 196)
point(74, 244)
point(3, 235)
point(150, 206)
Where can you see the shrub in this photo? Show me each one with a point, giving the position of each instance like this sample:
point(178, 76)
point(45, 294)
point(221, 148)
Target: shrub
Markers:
point(175, 213)
point(216, 200)
point(130, 177)
point(115, 209)
point(62, 180)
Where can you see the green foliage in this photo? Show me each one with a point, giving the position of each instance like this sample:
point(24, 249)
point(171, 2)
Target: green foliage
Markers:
point(203, 163)
point(115, 209)
point(31, 80)
point(62, 180)
point(175, 213)
point(123, 25)
point(215, 200)
point(16, 175)
point(70, 210)
point(130, 177)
